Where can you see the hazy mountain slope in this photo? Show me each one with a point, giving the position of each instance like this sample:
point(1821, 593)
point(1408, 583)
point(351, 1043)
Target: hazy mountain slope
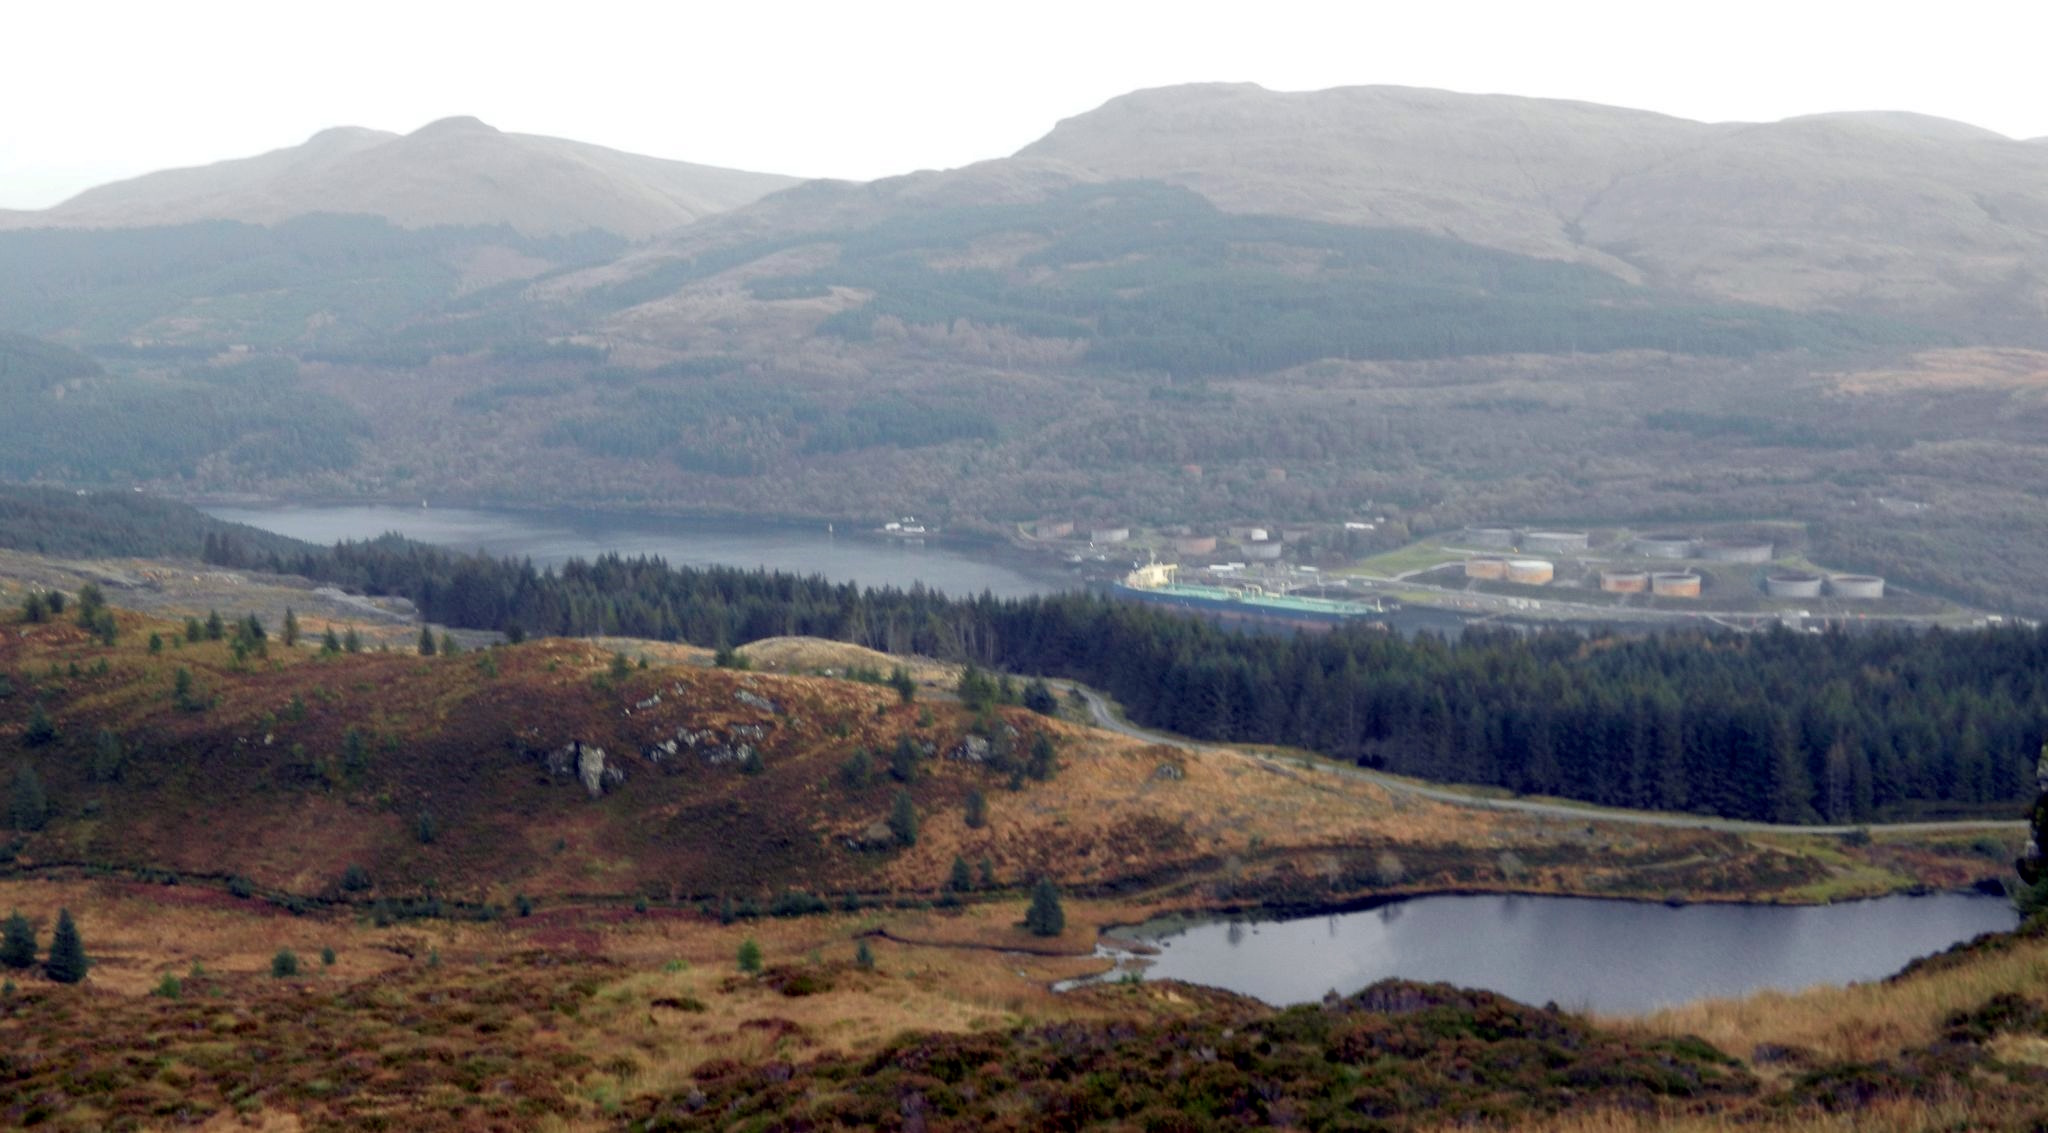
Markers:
point(456, 171)
point(1898, 209)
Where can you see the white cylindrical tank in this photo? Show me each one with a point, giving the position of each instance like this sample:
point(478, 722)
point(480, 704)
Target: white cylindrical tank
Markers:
point(1675, 584)
point(1555, 542)
point(1792, 584)
point(1859, 587)
point(1490, 567)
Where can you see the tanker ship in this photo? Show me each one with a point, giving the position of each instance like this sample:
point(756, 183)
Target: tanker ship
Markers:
point(1155, 583)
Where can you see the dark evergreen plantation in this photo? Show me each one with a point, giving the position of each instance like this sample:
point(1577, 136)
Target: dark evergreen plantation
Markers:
point(1775, 726)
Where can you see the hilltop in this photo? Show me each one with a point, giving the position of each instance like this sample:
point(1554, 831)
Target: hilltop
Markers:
point(1201, 306)
point(456, 171)
point(1848, 210)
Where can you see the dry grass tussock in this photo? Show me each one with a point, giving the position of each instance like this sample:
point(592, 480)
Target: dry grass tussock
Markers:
point(1903, 1116)
point(818, 655)
point(1861, 1021)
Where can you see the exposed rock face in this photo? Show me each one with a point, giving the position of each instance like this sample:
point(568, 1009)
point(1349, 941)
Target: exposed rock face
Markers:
point(586, 763)
point(734, 746)
point(972, 749)
point(590, 769)
point(754, 700)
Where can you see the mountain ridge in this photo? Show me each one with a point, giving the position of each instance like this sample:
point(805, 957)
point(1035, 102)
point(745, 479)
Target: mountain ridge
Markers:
point(455, 170)
point(1871, 208)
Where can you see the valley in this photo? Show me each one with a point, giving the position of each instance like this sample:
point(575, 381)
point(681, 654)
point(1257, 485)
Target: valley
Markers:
point(555, 955)
point(668, 646)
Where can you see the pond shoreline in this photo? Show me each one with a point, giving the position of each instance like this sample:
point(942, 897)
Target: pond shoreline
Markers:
point(1611, 954)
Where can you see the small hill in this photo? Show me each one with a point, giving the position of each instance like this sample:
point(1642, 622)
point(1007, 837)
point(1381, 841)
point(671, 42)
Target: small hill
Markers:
point(560, 769)
point(457, 171)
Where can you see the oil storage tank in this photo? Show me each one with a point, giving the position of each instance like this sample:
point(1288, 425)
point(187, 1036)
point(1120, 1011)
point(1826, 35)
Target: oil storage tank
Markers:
point(1492, 568)
point(1261, 551)
point(1735, 551)
point(1665, 546)
point(1792, 584)
point(1675, 584)
point(1497, 538)
point(1554, 542)
point(1859, 587)
point(1195, 545)
point(1624, 581)
point(1531, 572)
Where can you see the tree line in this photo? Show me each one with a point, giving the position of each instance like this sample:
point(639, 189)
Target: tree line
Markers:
point(1774, 726)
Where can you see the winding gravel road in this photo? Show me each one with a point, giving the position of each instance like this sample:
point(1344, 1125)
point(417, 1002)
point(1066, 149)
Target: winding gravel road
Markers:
point(1099, 710)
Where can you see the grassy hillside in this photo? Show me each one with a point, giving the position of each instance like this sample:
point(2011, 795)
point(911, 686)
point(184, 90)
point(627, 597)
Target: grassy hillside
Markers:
point(557, 769)
point(643, 1021)
point(581, 971)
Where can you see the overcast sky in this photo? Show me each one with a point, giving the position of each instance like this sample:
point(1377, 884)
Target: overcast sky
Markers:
point(93, 90)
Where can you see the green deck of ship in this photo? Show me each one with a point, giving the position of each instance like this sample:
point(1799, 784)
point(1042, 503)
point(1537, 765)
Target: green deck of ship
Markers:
point(1278, 602)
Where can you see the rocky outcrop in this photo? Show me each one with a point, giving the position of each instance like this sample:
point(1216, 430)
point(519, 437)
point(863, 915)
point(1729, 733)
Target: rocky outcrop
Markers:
point(732, 746)
point(586, 764)
point(757, 701)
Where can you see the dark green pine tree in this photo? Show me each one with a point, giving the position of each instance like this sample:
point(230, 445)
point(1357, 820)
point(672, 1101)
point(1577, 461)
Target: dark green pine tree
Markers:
point(1045, 917)
point(903, 819)
point(426, 642)
point(18, 942)
point(216, 629)
point(291, 627)
point(960, 879)
point(67, 962)
point(28, 808)
point(40, 729)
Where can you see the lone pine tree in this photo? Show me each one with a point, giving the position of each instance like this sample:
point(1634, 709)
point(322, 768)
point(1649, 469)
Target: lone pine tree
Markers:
point(67, 962)
point(1045, 917)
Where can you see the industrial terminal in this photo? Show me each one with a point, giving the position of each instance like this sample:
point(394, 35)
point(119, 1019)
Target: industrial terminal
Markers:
point(1736, 574)
point(1720, 569)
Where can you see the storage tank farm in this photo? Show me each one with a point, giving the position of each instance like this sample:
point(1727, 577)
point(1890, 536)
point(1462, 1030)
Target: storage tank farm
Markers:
point(1555, 542)
point(1737, 552)
point(1856, 587)
point(1624, 581)
point(1792, 584)
point(1531, 572)
point(1489, 568)
point(1675, 584)
point(1665, 546)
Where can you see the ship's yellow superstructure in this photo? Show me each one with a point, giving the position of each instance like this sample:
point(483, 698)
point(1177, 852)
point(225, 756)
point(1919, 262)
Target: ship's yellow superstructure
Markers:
point(1152, 576)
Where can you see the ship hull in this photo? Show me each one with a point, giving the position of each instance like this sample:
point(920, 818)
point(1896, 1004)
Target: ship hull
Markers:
point(1294, 613)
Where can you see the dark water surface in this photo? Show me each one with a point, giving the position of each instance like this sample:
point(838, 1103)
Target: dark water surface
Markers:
point(550, 538)
point(1582, 954)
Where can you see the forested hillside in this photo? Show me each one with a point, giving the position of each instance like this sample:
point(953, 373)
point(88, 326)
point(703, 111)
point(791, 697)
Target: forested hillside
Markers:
point(70, 421)
point(1776, 726)
point(1416, 308)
